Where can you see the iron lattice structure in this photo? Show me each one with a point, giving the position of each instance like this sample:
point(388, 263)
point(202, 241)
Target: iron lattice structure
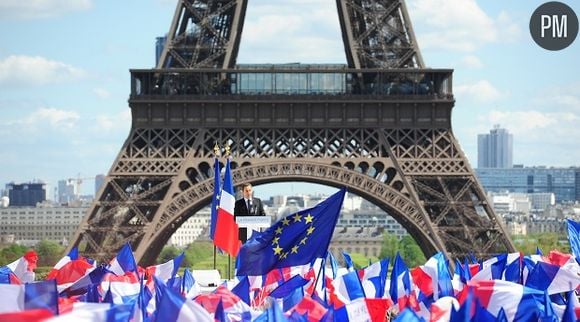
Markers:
point(383, 129)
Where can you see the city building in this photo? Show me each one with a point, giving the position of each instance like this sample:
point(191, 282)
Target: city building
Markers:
point(67, 191)
point(367, 242)
point(542, 200)
point(192, 229)
point(495, 150)
point(510, 202)
point(547, 225)
point(29, 225)
point(159, 44)
point(517, 228)
point(26, 194)
point(562, 182)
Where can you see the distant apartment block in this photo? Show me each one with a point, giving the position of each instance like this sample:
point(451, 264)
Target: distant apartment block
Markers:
point(356, 240)
point(29, 225)
point(564, 183)
point(192, 229)
point(495, 150)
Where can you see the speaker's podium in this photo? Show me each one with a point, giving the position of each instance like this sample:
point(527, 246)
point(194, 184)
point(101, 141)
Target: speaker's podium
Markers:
point(252, 223)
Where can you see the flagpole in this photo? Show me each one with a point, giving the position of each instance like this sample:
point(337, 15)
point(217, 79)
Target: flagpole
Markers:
point(229, 267)
point(216, 151)
point(317, 277)
point(227, 155)
point(214, 257)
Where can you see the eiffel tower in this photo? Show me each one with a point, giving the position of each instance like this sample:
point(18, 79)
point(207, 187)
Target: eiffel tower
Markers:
point(380, 125)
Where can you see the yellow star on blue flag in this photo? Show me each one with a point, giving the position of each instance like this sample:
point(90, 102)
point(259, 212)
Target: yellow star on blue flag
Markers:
point(294, 240)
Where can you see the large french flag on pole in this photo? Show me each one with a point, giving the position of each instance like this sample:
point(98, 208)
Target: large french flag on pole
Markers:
point(226, 228)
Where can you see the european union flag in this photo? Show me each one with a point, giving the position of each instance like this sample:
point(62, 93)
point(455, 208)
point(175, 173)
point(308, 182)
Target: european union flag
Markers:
point(297, 239)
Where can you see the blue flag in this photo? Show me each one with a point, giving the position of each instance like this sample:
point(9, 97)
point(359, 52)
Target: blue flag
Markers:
point(289, 286)
point(272, 314)
point(297, 239)
point(41, 295)
point(574, 237)
point(348, 261)
point(333, 265)
point(215, 201)
point(242, 290)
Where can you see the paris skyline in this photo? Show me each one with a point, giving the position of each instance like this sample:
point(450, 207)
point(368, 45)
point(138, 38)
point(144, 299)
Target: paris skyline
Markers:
point(64, 74)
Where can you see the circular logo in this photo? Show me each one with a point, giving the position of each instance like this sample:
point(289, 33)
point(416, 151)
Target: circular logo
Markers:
point(554, 26)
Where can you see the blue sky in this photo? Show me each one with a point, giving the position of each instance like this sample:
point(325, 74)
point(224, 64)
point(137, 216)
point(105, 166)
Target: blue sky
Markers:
point(64, 74)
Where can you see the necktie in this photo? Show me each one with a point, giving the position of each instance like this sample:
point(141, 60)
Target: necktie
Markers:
point(248, 205)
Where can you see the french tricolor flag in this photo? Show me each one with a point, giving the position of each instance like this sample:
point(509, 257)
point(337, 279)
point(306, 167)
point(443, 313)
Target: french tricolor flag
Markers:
point(518, 302)
point(226, 229)
point(373, 278)
point(24, 267)
point(554, 279)
point(124, 262)
point(348, 287)
point(400, 287)
point(373, 310)
point(8, 277)
point(167, 270)
point(123, 289)
point(433, 278)
point(35, 295)
point(70, 273)
point(173, 307)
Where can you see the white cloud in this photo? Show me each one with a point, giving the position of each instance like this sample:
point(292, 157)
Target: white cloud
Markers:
point(36, 70)
point(471, 61)
point(305, 31)
point(459, 25)
point(101, 93)
point(549, 138)
point(481, 91)
point(53, 118)
point(33, 9)
point(107, 123)
point(40, 123)
point(565, 97)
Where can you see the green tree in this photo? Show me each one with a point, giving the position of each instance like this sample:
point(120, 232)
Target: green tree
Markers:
point(389, 247)
point(49, 252)
point(411, 252)
point(547, 242)
point(11, 253)
point(170, 252)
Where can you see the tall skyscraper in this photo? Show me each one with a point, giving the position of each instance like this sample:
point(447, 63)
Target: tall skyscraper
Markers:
point(495, 150)
point(159, 44)
point(67, 191)
point(99, 181)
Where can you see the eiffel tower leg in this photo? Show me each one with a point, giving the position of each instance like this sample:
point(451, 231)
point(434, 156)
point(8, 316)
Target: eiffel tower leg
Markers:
point(450, 196)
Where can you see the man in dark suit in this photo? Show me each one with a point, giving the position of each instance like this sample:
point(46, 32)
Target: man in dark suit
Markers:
point(247, 206)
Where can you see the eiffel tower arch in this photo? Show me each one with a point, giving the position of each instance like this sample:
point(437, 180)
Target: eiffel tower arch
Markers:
point(380, 125)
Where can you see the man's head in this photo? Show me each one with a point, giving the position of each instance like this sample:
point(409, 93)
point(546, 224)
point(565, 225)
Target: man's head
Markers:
point(247, 190)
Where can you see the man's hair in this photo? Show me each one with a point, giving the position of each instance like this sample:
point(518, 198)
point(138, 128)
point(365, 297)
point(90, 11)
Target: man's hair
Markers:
point(246, 185)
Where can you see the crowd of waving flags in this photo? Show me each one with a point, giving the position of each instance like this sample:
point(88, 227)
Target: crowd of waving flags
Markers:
point(287, 274)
